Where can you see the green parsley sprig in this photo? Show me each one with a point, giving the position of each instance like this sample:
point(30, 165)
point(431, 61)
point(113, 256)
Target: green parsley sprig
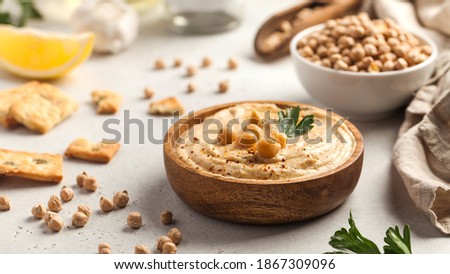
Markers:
point(288, 122)
point(351, 241)
point(28, 11)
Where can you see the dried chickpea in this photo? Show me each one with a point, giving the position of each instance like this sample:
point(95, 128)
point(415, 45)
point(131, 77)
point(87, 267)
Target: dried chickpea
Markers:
point(105, 251)
point(357, 53)
point(66, 194)
point(80, 179)
point(335, 57)
point(223, 86)
point(141, 249)
point(312, 43)
point(166, 217)
point(191, 87)
point(48, 216)
point(388, 65)
point(340, 65)
point(159, 64)
point(103, 246)
point(79, 219)
point(177, 62)
point(401, 50)
point(400, 63)
point(347, 60)
point(161, 241)
point(148, 93)
point(285, 26)
point(55, 223)
point(306, 51)
point(426, 49)
point(346, 42)
point(121, 199)
point(370, 40)
point(106, 205)
point(134, 220)
point(232, 63)
point(367, 61)
point(330, 24)
point(353, 68)
point(333, 50)
point(54, 203)
point(338, 31)
point(5, 204)
point(389, 56)
point(345, 52)
point(373, 67)
point(169, 248)
point(225, 136)
point(383, 48)
point(86, 210)
point(268, 148)
point(246, 139)
point(175, 235)
point(419, 58)
point(90, 183)
point(190, 71)
point(206, 61)
point(356, 32)
point(322, 51)
point(39, 211)
point(370, 50)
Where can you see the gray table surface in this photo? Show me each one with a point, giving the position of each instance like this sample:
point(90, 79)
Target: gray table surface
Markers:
point(380, 199)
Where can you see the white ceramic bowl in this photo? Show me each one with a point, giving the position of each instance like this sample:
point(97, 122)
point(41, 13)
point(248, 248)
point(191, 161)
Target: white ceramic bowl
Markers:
point(361, 95)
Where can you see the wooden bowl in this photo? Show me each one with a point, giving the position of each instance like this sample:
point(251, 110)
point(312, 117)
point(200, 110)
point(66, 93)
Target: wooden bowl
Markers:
point(247, 201)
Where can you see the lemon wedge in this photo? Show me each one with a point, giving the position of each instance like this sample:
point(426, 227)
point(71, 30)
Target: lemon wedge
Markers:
point(38, 54)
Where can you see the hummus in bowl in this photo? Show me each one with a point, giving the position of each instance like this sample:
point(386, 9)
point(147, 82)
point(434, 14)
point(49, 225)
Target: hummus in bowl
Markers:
point(247, 162)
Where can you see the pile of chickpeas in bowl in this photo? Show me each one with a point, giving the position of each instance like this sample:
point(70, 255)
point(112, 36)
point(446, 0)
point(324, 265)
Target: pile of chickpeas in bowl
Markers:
point(358, 44)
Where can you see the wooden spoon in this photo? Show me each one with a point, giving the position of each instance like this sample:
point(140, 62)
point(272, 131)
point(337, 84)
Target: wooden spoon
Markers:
point(328, 10)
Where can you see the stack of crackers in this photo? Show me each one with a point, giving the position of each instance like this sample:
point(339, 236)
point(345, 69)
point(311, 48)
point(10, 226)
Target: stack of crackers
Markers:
point(37, 106)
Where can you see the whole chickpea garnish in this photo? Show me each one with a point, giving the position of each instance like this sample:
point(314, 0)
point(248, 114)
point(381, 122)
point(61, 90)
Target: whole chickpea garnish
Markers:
point(268, 148)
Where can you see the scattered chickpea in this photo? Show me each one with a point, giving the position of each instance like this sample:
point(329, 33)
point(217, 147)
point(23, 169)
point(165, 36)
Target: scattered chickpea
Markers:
point(121, 199)
point(141, 249)
point(79, 219)
point(190, 71)
point(268, 148)
point(134, 220)
point(5, 204)
point(148, 93)
point(55, 223)
point(80, 179)
point(48, 216)
point(177, 62)
point(104, 246)
point(191, 87)
point(39, 211)
point(169, 248)
point(66, 194)
point(86, 210)
point(105, 251)
point(90, 183)
point(206, 62)
point(106, 205)
point(54, 203)
point(166, 217)
point(232, 63)
point(175, 235)
point(161, 241)
point(223, 86)
point(159, 64)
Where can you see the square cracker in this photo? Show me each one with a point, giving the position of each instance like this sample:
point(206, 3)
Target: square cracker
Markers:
point(167, 106)
point(34, 166)
point(93, 152)
point(42, 109)
point(9, 97)
point(107, 102)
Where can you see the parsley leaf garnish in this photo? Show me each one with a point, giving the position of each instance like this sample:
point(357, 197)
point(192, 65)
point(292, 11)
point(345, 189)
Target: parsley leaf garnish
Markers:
point(289, 125)
point(351, 241)
point(28, 11)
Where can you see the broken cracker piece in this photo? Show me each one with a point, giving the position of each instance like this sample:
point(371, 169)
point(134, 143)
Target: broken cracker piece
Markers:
point(34, 166)
point(166, 106)
point(93, 152)
point(41, 108)
point(108, 102)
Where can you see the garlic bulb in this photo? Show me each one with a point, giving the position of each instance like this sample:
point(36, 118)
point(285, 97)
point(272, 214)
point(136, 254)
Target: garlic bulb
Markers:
point(114, 23)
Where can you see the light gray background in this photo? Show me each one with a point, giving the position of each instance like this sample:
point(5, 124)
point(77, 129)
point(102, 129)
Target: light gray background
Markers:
point(380, 199)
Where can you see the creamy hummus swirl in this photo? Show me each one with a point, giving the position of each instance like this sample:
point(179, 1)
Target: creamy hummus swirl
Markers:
point(309, 155)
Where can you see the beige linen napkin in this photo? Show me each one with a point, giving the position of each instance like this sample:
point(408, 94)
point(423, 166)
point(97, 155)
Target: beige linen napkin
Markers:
point(422, 151)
